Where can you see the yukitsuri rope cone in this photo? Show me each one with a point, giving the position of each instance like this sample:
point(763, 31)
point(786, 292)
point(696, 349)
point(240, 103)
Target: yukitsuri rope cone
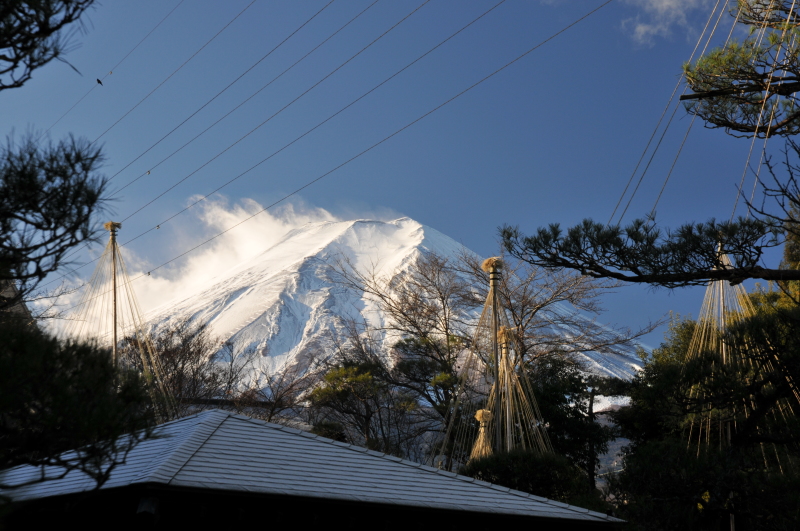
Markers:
point(109, 313)
point(494, 409)
point(736, 359)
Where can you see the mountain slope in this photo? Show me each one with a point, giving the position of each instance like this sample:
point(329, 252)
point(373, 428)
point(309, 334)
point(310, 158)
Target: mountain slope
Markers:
point(283, 304)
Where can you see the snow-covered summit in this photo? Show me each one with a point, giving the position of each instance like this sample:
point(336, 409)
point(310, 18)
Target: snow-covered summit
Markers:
point(283, 303)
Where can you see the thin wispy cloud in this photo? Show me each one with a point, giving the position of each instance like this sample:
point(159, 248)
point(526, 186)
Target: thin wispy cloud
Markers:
point(662, 18)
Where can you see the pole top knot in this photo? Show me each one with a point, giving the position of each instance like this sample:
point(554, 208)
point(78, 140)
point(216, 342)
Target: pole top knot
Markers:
point(112, 226)
point(506, 334)
point(483, 415)
point(494, 262)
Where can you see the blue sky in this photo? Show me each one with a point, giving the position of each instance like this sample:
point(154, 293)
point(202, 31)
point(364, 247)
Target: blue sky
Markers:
point(552, 138)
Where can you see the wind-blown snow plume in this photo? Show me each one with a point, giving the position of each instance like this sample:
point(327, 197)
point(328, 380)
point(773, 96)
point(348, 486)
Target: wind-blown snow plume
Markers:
point(281, 301)
point(200, 268)
point(216, 259)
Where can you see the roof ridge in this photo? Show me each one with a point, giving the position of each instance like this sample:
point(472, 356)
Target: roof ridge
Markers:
point(427, 468)
point(209, 419)
point(509, 490)
point(215, 450)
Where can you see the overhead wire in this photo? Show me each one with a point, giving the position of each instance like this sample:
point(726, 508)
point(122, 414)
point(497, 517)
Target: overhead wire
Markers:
point(276, 113)
point(760, 116)
point(263, 87)
point(320, 124)
point(219, 93)
point(757, 172)
point(760, 38)
point(694, 116)
point(229, 85)
point(683, 142)
point(111, 70)
point(661, 118)
point(174, 71)
point(251, 131)
point(669, 173)
point(378, 143)
point(653, 154)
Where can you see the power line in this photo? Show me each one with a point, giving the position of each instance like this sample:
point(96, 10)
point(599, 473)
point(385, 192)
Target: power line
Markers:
point(669, 173)
point(253, 130)
point(174, 71)
point(694, 116)
point(320, 124)
point(761, 114)
point(231, 84)
point(111, 70)
point(661, 118)
point(376, 144)
point(223, 90)
point(141, 41)
point(268, 119)
point(312, 87)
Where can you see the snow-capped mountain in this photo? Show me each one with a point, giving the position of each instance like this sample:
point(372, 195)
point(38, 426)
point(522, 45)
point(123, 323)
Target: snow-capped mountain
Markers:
point(283, 304)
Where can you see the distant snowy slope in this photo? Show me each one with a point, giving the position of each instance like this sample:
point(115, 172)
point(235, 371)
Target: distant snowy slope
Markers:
point(283, 304)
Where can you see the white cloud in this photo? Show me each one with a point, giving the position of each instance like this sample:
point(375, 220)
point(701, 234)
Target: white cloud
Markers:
point(658, 18)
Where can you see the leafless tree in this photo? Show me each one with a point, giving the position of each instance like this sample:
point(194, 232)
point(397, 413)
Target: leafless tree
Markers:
point(550, 309)
point(429, 308)
point(432, 307)
point(358, 400)
point(279, 396)
point(200, 371)
point(197, 369)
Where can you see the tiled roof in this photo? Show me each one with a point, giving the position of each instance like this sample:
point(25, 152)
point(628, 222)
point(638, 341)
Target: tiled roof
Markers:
point(222, 451)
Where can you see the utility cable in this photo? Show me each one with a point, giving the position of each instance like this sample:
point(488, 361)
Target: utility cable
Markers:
point(757, 171)
point(762, 32)
point(761, 114)
point(376, 144)
point(685, 136)
point(666, 128)
point(647, 167)
point(94, 85)
point(218, 94)
point(661, 118)
point(270, 82)
point(174, 71)
point(691, 123)
point(223, 90)
point(683, 142)
point(320, 124)
point(262, 88)
point(671, 168)
point(312, 87)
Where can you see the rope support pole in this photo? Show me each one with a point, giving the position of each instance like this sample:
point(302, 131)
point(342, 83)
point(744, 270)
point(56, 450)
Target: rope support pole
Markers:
point(112, 227)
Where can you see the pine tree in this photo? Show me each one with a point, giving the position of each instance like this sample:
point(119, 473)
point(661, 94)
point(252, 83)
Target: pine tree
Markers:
point(749, 87)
